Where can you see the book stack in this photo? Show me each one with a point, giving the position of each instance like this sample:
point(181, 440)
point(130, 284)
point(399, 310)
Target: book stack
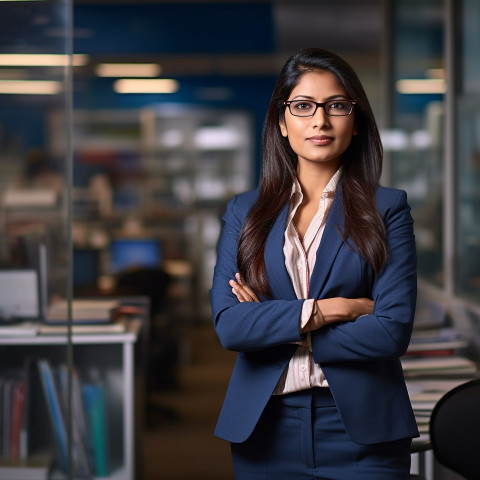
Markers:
point(89, 438)
point(438, 353)
point(34, 425)
point(16, 458)
point(13, 392)
point(87, 317)
point(436, 361)
point(424, 394)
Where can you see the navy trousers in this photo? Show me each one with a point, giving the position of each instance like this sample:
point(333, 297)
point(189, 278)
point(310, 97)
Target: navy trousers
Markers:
point(300, 436)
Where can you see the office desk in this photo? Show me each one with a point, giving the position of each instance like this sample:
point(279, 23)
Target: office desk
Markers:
point(422, 457)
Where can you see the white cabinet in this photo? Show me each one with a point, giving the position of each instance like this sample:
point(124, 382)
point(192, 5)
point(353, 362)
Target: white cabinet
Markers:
point(106, 358)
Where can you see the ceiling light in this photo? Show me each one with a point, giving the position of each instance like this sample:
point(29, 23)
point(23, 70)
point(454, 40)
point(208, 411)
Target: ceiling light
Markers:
point(128, 70)
point(41, 60)
point(142, 85)
point(421, 86)
point(30, 87)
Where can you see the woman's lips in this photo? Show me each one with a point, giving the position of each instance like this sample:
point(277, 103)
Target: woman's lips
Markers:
point(320, 139)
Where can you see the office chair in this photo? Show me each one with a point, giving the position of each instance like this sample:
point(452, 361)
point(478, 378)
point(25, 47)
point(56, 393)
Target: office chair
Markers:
point(455, 430)
point(162, 335)
point(162, 349)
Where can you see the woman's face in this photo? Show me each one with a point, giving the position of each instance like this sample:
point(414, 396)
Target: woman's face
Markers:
point(321, 139)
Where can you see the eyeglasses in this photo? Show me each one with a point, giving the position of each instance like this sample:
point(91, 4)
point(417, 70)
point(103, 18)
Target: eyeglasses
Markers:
point(308, 108)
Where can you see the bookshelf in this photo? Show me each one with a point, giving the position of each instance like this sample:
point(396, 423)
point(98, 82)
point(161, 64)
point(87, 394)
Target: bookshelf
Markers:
point(107, 359)
point(163, 172)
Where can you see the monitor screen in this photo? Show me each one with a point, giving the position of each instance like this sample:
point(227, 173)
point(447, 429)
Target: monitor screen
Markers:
point(127, 253)
point(19, 295)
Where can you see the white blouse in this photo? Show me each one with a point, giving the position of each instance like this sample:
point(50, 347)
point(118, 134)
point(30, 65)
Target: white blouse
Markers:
point(302, 372)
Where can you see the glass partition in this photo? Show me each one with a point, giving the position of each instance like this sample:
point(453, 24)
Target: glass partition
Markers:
point(34, 237)
point(33, 180)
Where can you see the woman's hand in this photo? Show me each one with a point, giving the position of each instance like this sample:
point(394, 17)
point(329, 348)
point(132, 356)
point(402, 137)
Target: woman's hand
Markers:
point(245, 294)
point(242, 291)
point(341, 309)
point(338, 309)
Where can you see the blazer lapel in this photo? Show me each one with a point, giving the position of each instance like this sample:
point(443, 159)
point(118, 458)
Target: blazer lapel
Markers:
point(278, 278)
point(329, 246)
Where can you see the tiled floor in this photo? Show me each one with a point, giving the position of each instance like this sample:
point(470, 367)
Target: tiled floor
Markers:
point(185, 448)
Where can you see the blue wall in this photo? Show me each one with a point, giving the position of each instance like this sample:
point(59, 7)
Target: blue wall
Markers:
point(176, 29)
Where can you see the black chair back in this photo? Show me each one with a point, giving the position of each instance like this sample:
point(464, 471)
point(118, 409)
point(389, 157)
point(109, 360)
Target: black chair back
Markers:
point(455, 430)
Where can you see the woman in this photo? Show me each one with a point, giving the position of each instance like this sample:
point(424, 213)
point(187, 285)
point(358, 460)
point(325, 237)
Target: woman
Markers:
point(315, 287)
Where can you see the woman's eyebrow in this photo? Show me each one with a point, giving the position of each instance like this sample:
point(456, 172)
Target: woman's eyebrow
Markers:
point(331, 97)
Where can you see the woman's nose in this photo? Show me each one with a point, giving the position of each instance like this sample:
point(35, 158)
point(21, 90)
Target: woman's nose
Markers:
point(320, 118)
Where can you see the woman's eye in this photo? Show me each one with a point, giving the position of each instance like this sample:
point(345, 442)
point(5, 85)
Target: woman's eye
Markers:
point(303, 106)
point(337, 106)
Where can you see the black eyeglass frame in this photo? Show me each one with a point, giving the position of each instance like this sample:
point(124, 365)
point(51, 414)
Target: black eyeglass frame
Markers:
point(287, 103)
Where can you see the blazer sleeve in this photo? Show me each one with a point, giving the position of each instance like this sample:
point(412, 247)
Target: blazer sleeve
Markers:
point(386, 332)
point(247, 326)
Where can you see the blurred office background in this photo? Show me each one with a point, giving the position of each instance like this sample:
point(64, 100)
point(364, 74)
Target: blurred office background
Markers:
point(125, 127)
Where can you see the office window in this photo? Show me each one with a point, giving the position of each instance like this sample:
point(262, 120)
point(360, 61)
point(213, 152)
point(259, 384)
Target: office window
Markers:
point(414, 142)
point(467, 158)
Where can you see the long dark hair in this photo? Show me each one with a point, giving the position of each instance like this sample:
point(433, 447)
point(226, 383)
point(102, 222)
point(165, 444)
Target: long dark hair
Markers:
point(361, 170)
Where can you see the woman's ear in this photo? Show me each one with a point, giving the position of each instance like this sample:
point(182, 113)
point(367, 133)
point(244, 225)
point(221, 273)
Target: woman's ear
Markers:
point(283, 128)
point(355, 130)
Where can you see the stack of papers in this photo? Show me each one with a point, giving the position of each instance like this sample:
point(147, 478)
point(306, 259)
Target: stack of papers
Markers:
point(117, 326)
point(20, 329)
point(424, 395)
point(83, 311)
point(448, 366)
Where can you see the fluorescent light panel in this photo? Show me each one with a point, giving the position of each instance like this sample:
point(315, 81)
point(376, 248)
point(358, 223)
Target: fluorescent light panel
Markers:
point(146, 85)
point(30, 87)
point(421, 86)
point(128, 70)
point(40, 60)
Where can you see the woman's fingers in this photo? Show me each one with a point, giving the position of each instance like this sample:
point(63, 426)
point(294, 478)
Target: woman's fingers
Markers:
point(251, 294)
point(237, 291)
point(242, 291)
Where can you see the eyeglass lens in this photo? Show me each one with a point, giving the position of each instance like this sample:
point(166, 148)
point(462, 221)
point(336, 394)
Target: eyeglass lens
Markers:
point(306, 108)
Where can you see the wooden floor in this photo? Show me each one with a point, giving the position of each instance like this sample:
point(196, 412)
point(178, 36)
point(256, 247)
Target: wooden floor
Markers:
point(183, 447)
point(178, 441)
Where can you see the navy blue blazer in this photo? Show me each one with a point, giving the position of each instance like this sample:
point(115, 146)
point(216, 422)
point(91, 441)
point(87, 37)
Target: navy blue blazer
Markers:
point(360, 359)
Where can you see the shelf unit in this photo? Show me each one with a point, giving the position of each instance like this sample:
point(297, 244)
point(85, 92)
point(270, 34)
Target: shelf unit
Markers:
point(112, 357)
point(167, 171)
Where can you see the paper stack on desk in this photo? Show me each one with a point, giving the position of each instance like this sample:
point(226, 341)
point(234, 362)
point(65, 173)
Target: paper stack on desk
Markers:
point(447, 366)
point(438, 353)
point(436, 342)
point(83, 311)
point(436, 361)
point(424, 395)
point(88, 317)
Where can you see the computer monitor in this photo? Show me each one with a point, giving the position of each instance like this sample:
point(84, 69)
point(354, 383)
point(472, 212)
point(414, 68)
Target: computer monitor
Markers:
point(128, 253)
point(19, 295)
